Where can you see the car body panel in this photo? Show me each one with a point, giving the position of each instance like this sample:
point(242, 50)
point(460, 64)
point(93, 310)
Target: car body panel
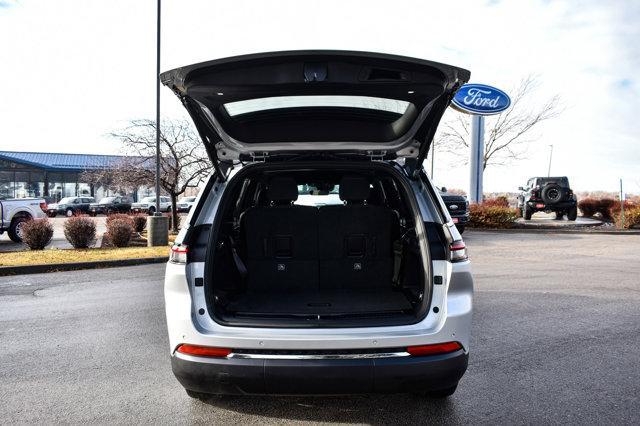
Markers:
point(148, 202)
point(183, 301)
point(209, 90)
point(291, 105)
point(531, 195)
point(75, 205)
point(13, 207)
point(116, 204)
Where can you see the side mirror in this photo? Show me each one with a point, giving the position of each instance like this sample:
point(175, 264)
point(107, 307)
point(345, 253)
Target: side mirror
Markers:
point(443, 189)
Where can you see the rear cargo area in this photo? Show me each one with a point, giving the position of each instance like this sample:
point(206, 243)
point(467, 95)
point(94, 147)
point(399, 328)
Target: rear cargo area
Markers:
point(321, 303)
point(316, 246)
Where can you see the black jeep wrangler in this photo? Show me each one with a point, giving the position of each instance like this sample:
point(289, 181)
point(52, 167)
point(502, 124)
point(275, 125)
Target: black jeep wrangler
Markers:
point(548, 194)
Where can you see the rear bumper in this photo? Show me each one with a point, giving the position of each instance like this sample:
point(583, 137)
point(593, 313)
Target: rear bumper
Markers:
point(319, 376)
point(460, 219)
point(564, 205)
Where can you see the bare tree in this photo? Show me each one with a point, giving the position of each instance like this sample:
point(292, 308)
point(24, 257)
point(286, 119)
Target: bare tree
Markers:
point(508, 134)
point(184, 162)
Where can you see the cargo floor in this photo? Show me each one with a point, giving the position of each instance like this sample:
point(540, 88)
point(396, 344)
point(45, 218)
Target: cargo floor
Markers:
point(325, 302)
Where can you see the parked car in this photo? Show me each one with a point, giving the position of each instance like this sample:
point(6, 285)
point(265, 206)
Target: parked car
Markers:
point(69, 206)
point(548, 194)
point(265, 295)
point(184, 204)
point(458, 207)
point(148, 205)
point(109, 205)
point(14, 212)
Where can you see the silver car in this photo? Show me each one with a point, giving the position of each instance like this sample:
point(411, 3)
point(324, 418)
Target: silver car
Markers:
point(319, 258)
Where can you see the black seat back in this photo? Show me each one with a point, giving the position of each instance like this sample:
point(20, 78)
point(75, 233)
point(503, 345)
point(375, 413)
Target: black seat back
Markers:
point(281, 241)
point(355, 239)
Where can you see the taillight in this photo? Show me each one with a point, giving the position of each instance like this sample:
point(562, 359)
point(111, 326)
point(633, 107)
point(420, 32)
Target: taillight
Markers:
point(43, 207)
point(178, 254)
point(458, 251)
point(196, 350)
point(535, 192)
point(434, 349)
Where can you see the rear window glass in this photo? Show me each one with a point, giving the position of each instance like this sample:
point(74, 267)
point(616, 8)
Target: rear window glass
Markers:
point(321, 101)
point(311, 195)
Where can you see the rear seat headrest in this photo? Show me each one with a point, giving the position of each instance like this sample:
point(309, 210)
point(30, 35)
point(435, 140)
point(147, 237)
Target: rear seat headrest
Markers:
point(282, 189)
point(354, 188)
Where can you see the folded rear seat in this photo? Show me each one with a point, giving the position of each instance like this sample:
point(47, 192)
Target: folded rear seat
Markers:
point(355, 240)
point(281, 241)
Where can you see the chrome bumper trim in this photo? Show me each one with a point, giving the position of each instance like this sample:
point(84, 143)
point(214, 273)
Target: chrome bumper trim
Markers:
point(294, 356)
point(320, 356)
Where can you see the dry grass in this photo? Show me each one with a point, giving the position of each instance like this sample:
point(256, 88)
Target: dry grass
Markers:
point(25, 258)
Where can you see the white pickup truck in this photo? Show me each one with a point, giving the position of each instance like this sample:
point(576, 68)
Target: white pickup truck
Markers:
point(16, 211)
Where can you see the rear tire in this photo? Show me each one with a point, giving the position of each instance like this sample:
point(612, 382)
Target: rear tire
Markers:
point(527, 213)
point(151, 211)
point(572, 214)
point(14, 231)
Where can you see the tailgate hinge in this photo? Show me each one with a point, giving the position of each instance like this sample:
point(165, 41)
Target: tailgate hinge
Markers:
point(377, 155)
point(259, 156)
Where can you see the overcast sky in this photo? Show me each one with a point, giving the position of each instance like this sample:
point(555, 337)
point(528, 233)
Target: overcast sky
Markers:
point(74, 70)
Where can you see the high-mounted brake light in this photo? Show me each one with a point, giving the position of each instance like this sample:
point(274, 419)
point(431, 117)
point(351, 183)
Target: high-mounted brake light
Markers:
point(178, 254)
point(434, 349)
point(458, 251)
point(43, 207)
point(196, 350)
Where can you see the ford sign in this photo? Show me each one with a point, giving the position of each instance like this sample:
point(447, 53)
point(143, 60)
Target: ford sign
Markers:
point(480, 99)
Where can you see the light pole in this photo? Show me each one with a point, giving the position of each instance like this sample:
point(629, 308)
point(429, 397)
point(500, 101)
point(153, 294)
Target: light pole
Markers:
point(158, 229)
point(550, 155)
point(158, 113)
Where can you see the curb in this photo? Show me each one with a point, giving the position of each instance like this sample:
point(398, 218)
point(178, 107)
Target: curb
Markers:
point(59, 267)
point(557, 231)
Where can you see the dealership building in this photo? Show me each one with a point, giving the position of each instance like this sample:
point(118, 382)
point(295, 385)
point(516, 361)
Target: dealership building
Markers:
point(56, 175)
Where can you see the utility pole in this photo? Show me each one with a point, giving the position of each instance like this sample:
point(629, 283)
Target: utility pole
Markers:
point(158, 112)
point(158, 225)
point(550, 155)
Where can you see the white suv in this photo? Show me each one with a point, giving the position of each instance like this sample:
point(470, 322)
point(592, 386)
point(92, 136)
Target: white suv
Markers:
point(367, 289)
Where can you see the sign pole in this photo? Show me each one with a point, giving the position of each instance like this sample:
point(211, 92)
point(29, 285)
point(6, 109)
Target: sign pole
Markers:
point(158, 113)
point(477, 158)
point(157, 225)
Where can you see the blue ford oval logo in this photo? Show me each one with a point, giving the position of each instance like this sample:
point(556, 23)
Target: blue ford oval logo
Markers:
point(480, 99)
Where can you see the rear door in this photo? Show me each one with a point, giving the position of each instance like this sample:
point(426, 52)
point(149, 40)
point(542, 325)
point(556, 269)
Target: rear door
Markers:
point(285, 103)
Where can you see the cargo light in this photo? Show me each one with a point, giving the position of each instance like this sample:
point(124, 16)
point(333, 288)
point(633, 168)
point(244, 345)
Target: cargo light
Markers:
point(434, 349)
point(178, 254)
point(458, 251)
point(209, 351)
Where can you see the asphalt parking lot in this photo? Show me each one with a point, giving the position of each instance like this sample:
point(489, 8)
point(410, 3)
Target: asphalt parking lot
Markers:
point(556, 339)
